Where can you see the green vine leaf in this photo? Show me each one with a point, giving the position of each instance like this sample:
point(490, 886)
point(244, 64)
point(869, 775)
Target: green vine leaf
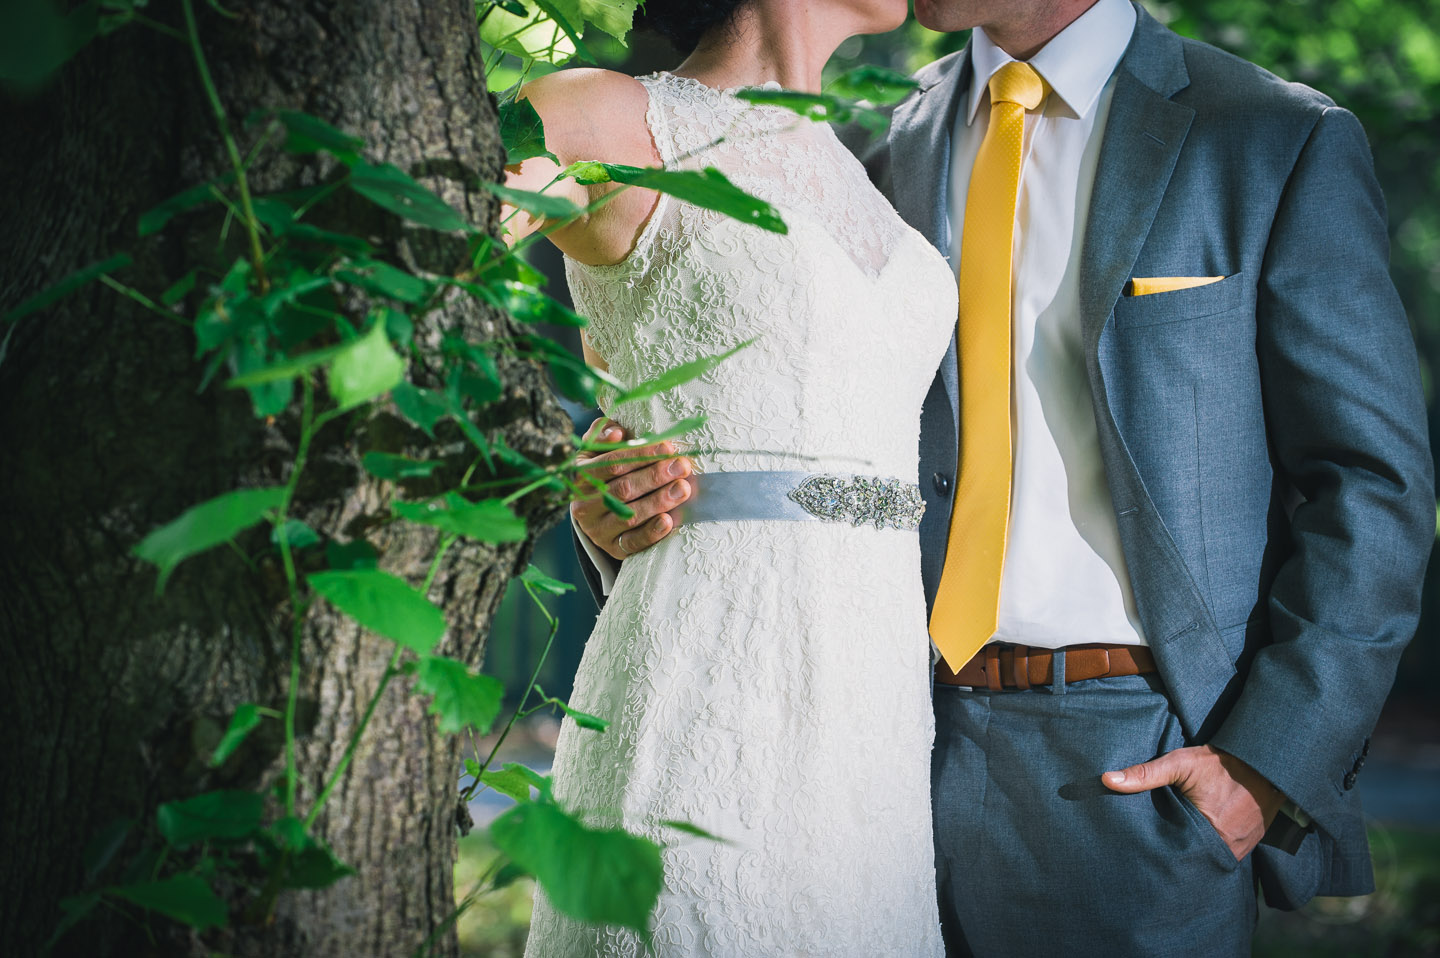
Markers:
point(365, 368)
point(185, 898)
point(383, 603)
point(707, 188)
point(385, 465)
point(355, 554)
point(525, 304)
point(242, 723)
point(603, 876)
point(389, 187)
point(533, 577)
point(309, 134)
point(67, 286)
point(678, 375)
point(226, 814)
point(204, 526)
point(311, 863)
point(615, 17)
point(543, 206)
point(382, 279)
point(460, 697)
point(286, 369)
point(488, 520)
point(523, 132)
point(507, 781)
point(154, 219)
point(423, 407)
point(873, 84)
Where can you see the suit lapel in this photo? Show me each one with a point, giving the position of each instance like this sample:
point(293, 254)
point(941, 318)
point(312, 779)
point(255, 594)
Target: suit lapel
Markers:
point(919, 139)
point(920, 148)
point(1144, 132)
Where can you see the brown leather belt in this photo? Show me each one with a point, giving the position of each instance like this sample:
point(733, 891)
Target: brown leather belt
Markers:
point(1001, 666)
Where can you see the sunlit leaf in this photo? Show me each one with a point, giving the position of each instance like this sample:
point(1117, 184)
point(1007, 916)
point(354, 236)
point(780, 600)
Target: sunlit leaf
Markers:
point(488, 520)
point(385, 465)
point(185, 898)
point(383, 603)
point(365, 368)
point(522, 131)
point(66, 286)
point(526, 304)
point(460, 697)
point(286, 369)
point(615, 17)
point(678, 375)
point(204, 526)
point(603, 876)
point(225, 814)
point(707, 188)
point(820, 107)
point(387, 186)
point(508, 781)
point(242, 723)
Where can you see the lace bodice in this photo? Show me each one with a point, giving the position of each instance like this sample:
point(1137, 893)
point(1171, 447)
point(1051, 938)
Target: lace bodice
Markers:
point(849, 290)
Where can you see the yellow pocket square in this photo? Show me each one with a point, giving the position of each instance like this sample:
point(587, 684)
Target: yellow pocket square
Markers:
point(1167, 284)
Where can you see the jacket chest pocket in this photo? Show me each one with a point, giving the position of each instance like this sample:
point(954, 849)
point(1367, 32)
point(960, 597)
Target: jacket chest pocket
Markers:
point(1181, 305)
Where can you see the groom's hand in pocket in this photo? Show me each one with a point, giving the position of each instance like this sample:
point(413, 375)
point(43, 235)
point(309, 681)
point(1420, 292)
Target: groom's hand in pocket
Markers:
point(1239, 801)
point(650, 480)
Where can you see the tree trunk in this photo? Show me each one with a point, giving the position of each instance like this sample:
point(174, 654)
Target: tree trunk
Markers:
point(113, 698)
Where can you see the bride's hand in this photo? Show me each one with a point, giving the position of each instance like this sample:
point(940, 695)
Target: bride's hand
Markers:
point(650, 488)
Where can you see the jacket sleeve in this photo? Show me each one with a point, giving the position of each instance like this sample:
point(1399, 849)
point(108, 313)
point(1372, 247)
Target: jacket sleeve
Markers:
point(1346, 420)
point(599, 569)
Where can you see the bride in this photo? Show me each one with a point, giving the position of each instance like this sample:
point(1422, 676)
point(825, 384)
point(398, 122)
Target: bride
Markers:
point(766, 666)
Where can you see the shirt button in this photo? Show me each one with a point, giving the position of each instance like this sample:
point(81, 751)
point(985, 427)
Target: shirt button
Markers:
point(942, 483)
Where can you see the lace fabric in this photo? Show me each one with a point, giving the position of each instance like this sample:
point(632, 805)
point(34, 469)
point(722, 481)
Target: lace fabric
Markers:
point(767, 681)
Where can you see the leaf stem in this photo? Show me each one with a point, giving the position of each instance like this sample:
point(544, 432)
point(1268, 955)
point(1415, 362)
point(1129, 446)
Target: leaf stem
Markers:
point(391, 671)
point(251, 223)
point(292, 580)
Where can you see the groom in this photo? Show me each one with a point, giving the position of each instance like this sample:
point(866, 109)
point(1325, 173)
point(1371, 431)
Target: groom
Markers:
point(1191, 532)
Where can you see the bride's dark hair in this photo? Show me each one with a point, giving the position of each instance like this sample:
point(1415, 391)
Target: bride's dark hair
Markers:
point(684, 22)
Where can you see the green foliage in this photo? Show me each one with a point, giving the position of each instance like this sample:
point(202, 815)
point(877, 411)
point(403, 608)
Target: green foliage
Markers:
point(211, 816)
point(185, 898)
point(460, 697)
point(201, 527)
point(366, 368)
point(383, 603)
point(707, 188)
point(66, 286)
point(389, 187)
point(488, 520)
point(522, 131)
point(245, 720)
point(597, 875)
point(384, 465)
point(850, 97)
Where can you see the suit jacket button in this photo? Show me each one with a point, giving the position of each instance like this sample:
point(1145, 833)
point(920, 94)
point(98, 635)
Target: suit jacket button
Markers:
point(1349, 781)
point(942, 483)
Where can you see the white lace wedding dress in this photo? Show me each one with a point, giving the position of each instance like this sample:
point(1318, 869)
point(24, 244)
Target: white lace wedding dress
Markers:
point(767, 681)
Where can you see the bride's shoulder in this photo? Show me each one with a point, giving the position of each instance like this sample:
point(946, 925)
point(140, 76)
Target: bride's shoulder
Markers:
point(592, 113)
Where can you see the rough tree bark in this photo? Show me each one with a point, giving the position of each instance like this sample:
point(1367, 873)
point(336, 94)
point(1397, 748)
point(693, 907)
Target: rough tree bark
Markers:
point(112, 698)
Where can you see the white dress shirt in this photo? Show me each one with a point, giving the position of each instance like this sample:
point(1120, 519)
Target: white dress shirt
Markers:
point(1064, 580)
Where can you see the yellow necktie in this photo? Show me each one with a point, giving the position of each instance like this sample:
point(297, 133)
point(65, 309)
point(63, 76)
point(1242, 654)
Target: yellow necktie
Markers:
point(966, 604)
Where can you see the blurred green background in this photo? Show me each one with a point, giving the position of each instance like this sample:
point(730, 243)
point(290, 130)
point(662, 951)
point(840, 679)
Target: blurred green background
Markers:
point(1377, 58)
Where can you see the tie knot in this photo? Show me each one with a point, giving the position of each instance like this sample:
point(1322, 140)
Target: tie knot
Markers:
point(1017, 82)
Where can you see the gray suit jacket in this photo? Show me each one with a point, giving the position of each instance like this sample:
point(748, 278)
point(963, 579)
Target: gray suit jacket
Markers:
point(1264, 437)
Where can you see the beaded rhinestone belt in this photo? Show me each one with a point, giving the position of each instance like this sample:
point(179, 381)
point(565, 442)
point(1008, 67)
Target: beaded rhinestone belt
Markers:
point(825, 497)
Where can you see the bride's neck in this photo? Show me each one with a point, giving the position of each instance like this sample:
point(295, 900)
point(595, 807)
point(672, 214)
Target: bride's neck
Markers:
point(768, 41)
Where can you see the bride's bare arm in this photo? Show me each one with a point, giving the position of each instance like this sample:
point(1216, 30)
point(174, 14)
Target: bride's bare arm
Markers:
point(600, 115)
point(588, 115)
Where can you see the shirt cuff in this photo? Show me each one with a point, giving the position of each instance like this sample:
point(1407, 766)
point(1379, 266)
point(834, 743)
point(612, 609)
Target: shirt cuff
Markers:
point(605, 564)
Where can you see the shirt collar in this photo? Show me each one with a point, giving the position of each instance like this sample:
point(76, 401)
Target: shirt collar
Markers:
point(1076, 63)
